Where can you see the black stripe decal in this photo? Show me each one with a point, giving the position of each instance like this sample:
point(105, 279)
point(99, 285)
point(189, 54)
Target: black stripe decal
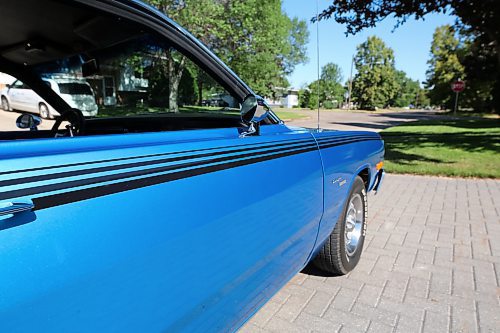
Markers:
point(353, 140)
point(167, 154)
point(134, 165)
point(84, 194)
point(73, 173)
point(103, 190)
point(126, 158)
point(130, 174)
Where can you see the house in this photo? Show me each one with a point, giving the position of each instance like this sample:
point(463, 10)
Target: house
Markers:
point(289, 98)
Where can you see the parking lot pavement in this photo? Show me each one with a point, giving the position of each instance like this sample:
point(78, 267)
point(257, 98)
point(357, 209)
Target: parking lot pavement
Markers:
point(8, 121)
point(431, 263)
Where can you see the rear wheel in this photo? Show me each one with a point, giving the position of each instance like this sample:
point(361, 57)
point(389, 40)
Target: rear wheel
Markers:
point(342, 251)
point(44, 111)
point(5, 104)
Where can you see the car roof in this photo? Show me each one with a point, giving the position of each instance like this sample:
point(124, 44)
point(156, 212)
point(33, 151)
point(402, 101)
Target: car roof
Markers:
point(66, 80)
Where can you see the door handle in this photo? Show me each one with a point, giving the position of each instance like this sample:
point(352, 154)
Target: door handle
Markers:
point(9, 208)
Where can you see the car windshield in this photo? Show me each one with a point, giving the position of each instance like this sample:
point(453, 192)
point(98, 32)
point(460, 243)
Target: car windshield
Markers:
point(75, 89)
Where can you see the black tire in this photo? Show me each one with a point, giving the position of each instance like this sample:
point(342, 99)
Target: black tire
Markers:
point(5, 104)
point(44, 111)
point(335, 257)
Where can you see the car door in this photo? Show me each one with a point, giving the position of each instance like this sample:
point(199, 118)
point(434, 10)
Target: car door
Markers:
point(25, 99)
point(30, 99)
point(166, 231)
point(177, 223)
point(15, 95)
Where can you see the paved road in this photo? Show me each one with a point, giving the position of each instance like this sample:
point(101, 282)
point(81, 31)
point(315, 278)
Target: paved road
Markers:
point(8, 121)
point(431, 264)
point(361, 120)
point(329, 120)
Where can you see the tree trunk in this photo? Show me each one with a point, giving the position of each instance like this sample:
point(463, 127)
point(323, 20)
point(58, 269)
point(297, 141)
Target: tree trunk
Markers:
point(200, 90)
point(174, 79)
point(496, 87)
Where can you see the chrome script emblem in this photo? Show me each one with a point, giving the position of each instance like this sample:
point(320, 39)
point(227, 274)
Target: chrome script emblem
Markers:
point(340, 181)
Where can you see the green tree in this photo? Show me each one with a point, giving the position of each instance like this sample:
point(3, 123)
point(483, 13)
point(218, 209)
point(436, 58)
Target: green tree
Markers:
point(188, 13)
point(375, 84)
point(422, 99)
point(444, 66)
point(478, 17)
point(264, 44)
point(407, 92)
point(304, 97)
point(255, 38)
point(313, 98)
point(295, 50)
point(478, 58)
point(332, 73)
point(330, 87)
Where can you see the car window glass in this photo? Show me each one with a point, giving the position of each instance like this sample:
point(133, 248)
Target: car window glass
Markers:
point(18, 84)
point(16, 98)
point(138, 85)
point(141, 76)
point(75, 89)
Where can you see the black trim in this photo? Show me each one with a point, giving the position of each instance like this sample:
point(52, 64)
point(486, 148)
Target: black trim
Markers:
point(130, 174)
point(103, 190)
point(269, 144)
point(133, 158)
point(99, 191)
point(253, 154)
point(138, 164)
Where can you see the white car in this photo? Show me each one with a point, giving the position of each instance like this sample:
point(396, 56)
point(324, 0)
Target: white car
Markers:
point(77, 93)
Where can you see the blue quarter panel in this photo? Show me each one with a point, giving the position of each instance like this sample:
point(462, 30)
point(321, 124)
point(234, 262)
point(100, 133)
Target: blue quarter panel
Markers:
point(190, 241)
point(362, 150)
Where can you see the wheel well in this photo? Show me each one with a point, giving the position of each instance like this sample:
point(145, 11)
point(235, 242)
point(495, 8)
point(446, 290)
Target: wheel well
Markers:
point(41, 103)
point(365, 175)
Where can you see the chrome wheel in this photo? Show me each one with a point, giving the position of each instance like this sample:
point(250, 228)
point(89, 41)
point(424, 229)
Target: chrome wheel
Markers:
point(44, 111)
point(5, 104)
point(353, 224)
point(341, 252)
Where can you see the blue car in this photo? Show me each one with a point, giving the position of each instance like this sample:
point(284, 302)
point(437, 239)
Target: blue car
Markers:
point(161, 213)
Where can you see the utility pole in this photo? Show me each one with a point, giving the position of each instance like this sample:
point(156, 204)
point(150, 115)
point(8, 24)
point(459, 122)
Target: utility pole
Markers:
point(349, 99)
point(317, 49)
point(416, 99)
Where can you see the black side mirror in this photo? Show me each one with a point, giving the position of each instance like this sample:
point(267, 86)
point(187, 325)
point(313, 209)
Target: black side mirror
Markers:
point(28, 121)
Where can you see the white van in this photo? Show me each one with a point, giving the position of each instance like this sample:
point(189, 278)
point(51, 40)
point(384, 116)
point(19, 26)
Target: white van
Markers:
point(77, 93)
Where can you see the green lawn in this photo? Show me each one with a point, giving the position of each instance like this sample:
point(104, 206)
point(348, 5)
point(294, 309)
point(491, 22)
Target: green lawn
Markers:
point(460, 148)
point(123, 111)
point(130, 111)
point(289, 115)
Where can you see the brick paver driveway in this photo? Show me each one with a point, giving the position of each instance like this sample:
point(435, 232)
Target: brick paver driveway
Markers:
point(431, 263)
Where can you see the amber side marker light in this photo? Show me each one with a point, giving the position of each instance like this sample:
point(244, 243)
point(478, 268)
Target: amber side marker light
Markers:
point(380, 165)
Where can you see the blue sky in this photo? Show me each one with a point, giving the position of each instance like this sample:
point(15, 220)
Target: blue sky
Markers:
point(411, 42)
